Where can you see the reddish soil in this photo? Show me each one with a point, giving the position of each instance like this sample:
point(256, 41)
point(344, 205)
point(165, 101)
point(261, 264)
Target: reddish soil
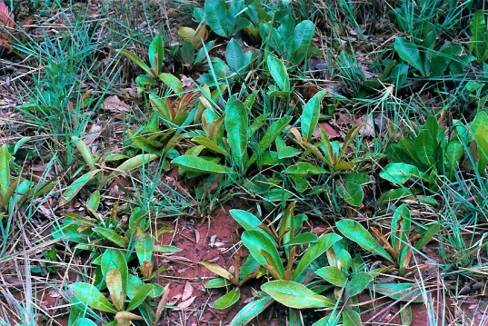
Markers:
point(210, 240)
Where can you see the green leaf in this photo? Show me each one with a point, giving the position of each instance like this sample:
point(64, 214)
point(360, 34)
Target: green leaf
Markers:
point(302, 239)
point(133, 163)
point(351, 318)
point(84, 151)
point(355, 232)
point(358, 282)
point(227, 300)
point(452, 156)
point(134, 58)
point(302, 39)
point(236, 126)
point(156, 54)
point(218, 18)
point(75, 187)
point(84, 322)
point(269, 137)
point(250, 311)
point(427, 235)
point(245, 219)
point(479, 39)
point(310, 114)
point(295, 295)
point(236, 58)
point(304, 168)
point(278, 71)
point(144, 246)
point(263, 251)
point(111, 235)
point(323, 244)
point(5, 158)
point(351, 190)
point(115, 259)
point(401, 223)
point(333, 275)
point(92, 297)
point(479, 130)
point(399, 173)
point(210, 145)
point(399, 291)
point(172, 82)
point(198, 164)
point(93, 202)
point(216, 283)
point(409, 53)
point(140, 296)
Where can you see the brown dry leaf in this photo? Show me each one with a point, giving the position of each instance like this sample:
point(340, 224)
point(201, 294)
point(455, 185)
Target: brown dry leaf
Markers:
point(186, 303)
point(187, 291)
point(327, 128)
point(367, 123)
point(114, 104)
point(6, 22)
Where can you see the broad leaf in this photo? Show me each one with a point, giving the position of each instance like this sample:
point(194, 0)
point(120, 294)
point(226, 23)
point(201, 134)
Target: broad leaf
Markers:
point(92, 297)
point(399, 173)
point(227, 300)
point(333, 275)
point(409, 52)
point(250, 311)
point(279, 73)
point(198, 164)
point(75, 187)
point(304, 168)
point(358, 282)
point(264, 252)
point(310, 114)
point(355, 232)
point(323, 244)
point(295, 295)
point(236, 126)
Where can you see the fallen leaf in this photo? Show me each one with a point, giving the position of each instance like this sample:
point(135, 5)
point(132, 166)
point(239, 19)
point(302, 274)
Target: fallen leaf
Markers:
point(367, 125)
point(114, 104)
point(327, 128)
point(6, 23)
point(186, 303)
point(187, 291)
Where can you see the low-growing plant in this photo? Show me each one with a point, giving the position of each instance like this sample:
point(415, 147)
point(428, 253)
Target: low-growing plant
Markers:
point(127, 292)
point(423, 157)
point(399, 249)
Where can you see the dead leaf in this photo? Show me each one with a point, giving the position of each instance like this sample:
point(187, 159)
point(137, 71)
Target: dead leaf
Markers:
point(114, 104)
point(367, 123)
point(186, 303)
point(327, 128)
point(6, 24)
point(187, 291)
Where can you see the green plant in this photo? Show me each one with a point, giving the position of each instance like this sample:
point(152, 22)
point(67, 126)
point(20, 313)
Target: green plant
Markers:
point(291, 41)
point(349, 279)
point(422, 158)
point(268, 246)
point(479, 36)
point(123, 287)
point(399, 249)
point(15, 191)
point(429, 62)
point(154, 71)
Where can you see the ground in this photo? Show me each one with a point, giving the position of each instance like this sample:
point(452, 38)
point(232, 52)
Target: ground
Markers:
point(134, 138)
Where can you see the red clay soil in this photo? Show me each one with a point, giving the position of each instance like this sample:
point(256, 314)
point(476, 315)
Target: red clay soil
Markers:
point(210, 240)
